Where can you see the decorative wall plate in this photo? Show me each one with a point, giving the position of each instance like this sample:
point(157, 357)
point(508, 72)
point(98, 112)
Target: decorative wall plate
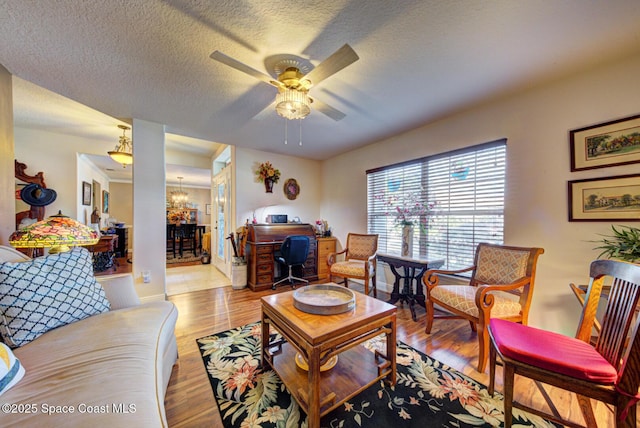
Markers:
point(291, 188)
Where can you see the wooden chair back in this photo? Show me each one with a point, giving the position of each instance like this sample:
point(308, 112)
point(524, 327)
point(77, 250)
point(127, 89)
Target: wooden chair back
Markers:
point(502, 264)
point(619, 338)
point(361, 246)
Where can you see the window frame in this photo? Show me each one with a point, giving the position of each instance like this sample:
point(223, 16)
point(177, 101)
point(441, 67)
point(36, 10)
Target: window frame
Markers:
point(456, 224)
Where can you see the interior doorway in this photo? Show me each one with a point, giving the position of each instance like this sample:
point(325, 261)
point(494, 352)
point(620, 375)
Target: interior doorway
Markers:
point(221, 220)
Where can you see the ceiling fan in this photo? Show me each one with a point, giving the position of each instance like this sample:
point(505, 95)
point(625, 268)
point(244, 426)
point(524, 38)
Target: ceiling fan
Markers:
point(293, 100)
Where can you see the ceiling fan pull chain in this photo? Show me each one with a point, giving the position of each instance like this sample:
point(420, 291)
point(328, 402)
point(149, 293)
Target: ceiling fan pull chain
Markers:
point(285, 131)
point(300, 121)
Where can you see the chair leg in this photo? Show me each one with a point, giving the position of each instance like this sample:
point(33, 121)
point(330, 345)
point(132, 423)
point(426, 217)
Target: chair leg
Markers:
point(630, 420)
point(587, 411)
point(483, 345)
point(508, 394)
point(373, 285)
point(428, 305)
point(366, 285)
point(492, 369)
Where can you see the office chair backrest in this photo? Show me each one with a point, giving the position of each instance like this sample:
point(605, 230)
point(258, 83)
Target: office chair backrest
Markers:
point(295, 249)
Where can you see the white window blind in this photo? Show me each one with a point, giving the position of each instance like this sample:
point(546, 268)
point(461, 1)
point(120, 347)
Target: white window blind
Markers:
point(466, 189)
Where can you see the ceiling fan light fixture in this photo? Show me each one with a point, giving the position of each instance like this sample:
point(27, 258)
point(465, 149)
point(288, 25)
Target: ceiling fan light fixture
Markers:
point(293, 104)
point(123, 151)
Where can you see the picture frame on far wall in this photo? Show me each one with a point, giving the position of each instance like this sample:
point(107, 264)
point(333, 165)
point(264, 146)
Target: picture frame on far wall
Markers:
point(607, 144)
point(86, 193)
point(605, 199)
point(105, 201)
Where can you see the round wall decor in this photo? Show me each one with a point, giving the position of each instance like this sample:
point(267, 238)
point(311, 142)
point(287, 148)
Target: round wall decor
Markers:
point(291, 188)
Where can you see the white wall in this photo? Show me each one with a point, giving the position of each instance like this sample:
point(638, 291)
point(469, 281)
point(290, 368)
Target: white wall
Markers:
point(251, 195)
point(536, 124)
point(7, 178)
point(56, 156)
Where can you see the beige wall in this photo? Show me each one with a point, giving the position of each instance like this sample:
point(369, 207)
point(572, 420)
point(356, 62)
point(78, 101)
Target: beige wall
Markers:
point(7, 180)
point(536, 124)
point(251, 195)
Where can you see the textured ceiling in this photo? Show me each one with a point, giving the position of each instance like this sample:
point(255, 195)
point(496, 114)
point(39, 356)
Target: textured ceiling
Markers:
point(420, 60)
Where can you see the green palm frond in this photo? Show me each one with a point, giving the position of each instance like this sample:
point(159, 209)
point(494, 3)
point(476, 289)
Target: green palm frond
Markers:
point(624, 244)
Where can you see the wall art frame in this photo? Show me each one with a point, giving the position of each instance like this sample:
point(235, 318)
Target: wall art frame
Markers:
point(105, 201)
point(86, 193)
point(605, 199)
point(612, 143)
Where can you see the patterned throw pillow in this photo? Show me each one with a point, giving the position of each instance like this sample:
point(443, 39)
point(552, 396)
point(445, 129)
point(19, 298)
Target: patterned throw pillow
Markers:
point(47, 292)
point(11, 371)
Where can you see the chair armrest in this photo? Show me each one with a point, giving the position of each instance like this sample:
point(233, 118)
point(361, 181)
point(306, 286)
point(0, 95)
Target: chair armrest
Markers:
point(119, 290)
point(331, 257)
point(431, 280)
point(484, 298)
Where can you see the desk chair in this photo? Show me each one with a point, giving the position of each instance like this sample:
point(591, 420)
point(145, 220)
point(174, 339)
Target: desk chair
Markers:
point(607, 372)
point(293, 252)
point(501, 286)
point(171, 239)
point(188, 238)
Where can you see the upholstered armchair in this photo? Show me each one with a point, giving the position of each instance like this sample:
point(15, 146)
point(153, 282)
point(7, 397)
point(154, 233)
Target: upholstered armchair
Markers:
point(501, 286)
point(359, 261)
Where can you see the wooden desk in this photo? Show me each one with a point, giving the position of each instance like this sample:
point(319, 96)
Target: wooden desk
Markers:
point(320, 337)
point(413, 270)
point(263, 240)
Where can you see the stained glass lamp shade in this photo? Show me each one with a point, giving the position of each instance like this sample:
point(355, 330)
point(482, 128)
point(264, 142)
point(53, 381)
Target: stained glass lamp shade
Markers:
point(58, 232)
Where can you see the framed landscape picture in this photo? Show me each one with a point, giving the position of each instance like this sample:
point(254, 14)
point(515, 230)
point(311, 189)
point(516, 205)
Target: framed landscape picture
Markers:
point(86, 193)
point(105, 201)
point(607, 144)
point(605, 199)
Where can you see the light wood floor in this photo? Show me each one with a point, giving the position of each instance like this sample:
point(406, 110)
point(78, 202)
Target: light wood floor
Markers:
point(189, 401)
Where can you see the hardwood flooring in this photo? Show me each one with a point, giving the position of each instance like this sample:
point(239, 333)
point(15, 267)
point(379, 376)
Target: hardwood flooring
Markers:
point(189, 401)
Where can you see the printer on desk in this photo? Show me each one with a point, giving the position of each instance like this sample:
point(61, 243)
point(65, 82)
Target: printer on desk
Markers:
point(277, 218)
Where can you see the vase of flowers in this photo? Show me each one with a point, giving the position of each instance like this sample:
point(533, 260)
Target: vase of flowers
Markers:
point(407, 240)
point(268, 174)
point(410, 210)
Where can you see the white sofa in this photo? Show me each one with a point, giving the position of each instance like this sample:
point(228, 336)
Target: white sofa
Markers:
point(108, 370)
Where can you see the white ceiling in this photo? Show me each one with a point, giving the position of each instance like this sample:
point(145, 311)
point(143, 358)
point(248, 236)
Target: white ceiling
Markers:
point(420, 60)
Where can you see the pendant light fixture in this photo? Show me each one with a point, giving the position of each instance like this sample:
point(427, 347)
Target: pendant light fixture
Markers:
point(179, 198)
point(123, 152)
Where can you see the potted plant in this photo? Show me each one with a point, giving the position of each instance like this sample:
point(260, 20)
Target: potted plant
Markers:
point(624, 244)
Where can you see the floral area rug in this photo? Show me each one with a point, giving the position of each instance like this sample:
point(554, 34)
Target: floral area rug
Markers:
point(427, 393)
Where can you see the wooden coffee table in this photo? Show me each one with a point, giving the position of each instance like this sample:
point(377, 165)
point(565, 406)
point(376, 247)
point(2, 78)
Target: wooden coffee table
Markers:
point(320, 337)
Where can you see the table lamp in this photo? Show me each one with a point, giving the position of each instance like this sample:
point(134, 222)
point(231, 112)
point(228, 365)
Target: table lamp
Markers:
point(58, 232)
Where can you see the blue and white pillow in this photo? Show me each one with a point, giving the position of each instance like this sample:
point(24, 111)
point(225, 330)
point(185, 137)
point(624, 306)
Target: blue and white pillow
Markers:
point(11, 371)
point(41, 294)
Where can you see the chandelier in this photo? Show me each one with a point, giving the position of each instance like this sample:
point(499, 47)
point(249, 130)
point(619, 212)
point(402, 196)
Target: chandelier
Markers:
point(123, 152)
point(293, 103)
point(179, 198)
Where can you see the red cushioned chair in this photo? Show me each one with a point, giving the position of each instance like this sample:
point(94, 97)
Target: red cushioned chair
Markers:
point(608, 372)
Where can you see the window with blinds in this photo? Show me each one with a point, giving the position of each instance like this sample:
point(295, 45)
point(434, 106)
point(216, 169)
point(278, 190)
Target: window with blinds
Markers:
point(454, 201)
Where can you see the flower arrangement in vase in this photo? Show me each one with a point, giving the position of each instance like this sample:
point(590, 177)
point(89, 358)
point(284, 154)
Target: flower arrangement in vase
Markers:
point(408, 209)
point(268, 174)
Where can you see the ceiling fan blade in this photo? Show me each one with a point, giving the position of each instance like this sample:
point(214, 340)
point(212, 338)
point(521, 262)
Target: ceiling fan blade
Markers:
point(233, 63)
point(337, 61)
point(326, 109)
